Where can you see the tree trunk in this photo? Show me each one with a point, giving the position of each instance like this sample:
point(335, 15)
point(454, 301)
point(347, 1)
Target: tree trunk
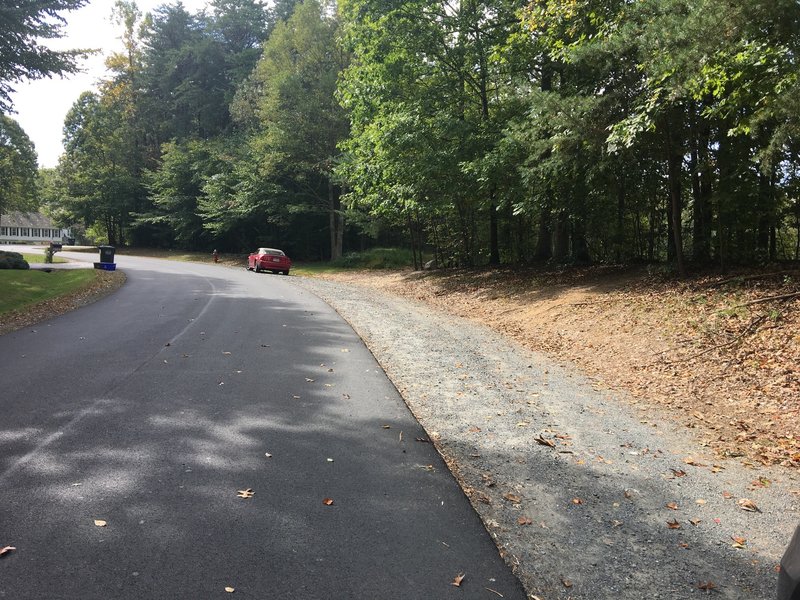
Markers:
point(561, 238)
point(674, 174)
point(335, 221)
point(544, 241)
point(494, 245)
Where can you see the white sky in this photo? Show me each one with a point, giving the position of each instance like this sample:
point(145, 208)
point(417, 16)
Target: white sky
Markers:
point(42, 105)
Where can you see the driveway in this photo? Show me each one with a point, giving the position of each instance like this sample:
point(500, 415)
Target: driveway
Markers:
point(132, 428)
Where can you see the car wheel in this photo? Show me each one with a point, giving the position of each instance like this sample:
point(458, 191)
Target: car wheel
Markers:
point(257, 267)
point(286, 272)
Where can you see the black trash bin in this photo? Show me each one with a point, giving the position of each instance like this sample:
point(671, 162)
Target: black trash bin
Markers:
point(106, 254)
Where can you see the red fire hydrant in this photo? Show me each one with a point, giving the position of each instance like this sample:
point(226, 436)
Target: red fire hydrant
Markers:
point(215, 254)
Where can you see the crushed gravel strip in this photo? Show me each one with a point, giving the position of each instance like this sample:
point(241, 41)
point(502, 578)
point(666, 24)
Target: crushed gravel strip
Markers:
point(586, 496)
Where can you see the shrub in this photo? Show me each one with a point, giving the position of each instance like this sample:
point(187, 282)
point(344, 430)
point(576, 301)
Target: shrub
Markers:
point(375, 258)
point(12, 260)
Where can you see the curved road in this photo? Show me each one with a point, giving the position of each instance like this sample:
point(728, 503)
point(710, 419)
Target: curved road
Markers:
point(153, 407)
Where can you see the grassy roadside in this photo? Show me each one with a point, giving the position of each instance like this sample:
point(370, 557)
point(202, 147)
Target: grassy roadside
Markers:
point(22, 289)
point(39, 258)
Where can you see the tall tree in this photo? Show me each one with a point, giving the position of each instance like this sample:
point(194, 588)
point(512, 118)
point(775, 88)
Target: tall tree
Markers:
point(301, 122)
point(18, 174)
point(24, 24)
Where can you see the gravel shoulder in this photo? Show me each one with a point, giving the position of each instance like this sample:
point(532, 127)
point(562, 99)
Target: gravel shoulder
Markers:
point(586, 496)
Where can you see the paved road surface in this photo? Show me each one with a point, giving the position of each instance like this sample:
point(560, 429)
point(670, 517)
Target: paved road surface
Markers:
point(150, 409)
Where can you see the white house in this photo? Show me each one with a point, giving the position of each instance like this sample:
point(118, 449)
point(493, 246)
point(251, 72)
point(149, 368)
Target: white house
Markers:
point(31, 228)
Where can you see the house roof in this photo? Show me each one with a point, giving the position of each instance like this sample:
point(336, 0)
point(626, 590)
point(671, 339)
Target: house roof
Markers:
point(34, 219)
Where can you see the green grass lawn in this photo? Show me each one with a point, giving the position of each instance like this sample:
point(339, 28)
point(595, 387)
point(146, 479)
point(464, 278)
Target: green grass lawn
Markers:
point(19, 289)
point(39, 258)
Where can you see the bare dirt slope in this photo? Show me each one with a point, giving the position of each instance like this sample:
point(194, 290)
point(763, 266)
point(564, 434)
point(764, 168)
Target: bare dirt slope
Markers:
point(721, 353)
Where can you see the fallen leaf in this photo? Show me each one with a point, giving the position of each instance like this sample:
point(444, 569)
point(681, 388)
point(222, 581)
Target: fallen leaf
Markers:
point(458, 579)
point(474, 429)
point(545, 442)
point(683, 545)
point(346, 396)
point(423, 440)
point(248, 493)
point(748, 505)
point(329, 459)
point(691, 461)
point(678, 472)
point(309, 380)
point(727, 495)
point(268, 455)
point(226, 353)
point(567, 583)
point(230, 590)
point(327, 501)
point(738, 542)
point(386, 427)
point(707, 586)
point(672, 505)
point(512, 498)
point(6, 550)
point(674, 524)
point(695, 522)
point(100, 523)
point(701, 501)
point(577, 500)
point(524, 521)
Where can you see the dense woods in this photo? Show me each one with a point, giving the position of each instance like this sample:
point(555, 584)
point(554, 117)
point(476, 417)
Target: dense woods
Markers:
point(472, 131)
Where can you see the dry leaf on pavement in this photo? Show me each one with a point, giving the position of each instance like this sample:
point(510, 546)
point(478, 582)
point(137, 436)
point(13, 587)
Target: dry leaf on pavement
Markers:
point(706, 586)
point(248, 493)
point(512, 498)
point(458, 579)
point(230, 590)
point(524, 521)
point(545, 442)
point(6, 550)
point(327, 501)
point(100, 523)
point(674, 524)
point(672, 505)
point(748, 505)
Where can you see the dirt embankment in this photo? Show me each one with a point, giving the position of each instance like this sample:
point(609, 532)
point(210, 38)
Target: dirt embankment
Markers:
point(722, 353)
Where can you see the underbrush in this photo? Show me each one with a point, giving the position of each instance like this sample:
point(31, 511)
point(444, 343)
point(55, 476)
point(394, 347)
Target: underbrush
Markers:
point(375, 258)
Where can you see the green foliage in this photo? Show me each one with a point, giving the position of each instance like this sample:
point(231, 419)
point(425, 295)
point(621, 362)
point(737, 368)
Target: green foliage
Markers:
point(375, 258)
point(480, 131)
point(23, 56)
point(18, 170)
point(12, 260)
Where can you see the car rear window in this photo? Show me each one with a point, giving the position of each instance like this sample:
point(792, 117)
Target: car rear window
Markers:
point(271, 252)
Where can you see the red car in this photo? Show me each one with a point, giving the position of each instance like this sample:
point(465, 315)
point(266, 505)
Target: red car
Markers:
point(269, 259)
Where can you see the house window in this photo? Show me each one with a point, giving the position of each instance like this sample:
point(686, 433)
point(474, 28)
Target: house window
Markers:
point(3, 230)
point(14, 231)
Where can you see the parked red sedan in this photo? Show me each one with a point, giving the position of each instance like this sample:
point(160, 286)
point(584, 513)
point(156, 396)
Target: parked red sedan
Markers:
point(269, 259)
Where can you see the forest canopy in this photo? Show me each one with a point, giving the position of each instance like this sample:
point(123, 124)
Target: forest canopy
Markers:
point(474, 131)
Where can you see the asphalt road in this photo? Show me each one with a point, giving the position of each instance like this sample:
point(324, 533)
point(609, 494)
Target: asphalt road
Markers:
point(153, 407)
